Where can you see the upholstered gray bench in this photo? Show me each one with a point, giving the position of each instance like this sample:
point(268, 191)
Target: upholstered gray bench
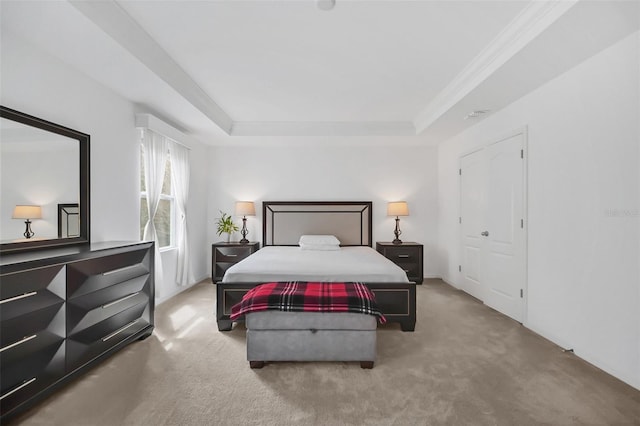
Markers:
point(310, 336)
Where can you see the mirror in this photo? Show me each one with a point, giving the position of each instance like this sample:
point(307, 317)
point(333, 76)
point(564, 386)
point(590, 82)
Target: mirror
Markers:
point(44, 181)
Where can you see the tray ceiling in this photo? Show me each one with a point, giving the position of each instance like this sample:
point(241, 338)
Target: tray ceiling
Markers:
point(412, 69)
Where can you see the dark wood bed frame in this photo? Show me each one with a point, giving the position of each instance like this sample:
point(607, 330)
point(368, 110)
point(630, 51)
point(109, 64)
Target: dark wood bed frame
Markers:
point(397, 301)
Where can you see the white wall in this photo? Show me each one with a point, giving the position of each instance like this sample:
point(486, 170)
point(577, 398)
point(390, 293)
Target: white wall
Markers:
point(39, 84)
point(341, 173)
point(584, 195)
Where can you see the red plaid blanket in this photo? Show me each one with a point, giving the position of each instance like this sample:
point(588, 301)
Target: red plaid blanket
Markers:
point(298, 296)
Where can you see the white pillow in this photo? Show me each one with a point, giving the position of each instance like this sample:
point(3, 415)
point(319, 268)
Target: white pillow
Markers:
point(321, 247)
point(319, 240)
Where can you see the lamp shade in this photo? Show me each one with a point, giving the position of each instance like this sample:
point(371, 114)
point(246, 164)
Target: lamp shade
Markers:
point(27, 212)
point(245, 208)
point(397, 208)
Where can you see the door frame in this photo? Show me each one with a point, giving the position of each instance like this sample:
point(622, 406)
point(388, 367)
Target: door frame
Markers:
point(524, 131)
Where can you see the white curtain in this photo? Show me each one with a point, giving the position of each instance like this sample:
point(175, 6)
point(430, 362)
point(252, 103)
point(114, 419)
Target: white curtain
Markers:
point(180, 179)
point(155, 158)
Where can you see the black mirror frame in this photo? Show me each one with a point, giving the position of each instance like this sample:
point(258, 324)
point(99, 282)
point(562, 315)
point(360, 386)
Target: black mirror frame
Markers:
point(83, 141)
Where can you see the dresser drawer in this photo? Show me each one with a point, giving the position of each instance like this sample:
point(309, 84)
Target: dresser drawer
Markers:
point(85, 311)
point(28, 366)
point(232, 254)
point(88, 343)
point(16, 328)
point(26, 291)
point(96, 274)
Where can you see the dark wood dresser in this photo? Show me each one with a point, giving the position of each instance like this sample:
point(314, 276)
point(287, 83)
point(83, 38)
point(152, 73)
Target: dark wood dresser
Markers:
point(225, 255)
point(63, 310)
point(407, 255)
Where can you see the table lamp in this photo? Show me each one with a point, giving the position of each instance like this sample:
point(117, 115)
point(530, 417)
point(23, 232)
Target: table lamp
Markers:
point(244, 209)
point(397, 209)
point(28, 213)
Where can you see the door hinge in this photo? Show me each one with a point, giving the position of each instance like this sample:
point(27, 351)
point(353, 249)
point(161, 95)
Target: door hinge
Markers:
point(460, 172)
point(521, 293)
point(459, 268)
point(522, 153)
point(522, 223)
point(460, 219)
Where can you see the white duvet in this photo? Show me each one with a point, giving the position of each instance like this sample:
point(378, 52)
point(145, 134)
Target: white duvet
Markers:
point(281, 263)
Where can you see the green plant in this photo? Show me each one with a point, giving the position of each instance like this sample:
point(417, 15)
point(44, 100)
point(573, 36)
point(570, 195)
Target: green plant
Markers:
point(225, 224)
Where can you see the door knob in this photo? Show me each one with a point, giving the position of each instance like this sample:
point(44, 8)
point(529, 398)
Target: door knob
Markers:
point(485, 233)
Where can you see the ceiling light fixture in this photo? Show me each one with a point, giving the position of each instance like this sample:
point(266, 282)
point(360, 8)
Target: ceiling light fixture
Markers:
point(326, 4)
point(477, 113)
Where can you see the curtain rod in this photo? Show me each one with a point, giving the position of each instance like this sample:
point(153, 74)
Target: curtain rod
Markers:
point(148, 121)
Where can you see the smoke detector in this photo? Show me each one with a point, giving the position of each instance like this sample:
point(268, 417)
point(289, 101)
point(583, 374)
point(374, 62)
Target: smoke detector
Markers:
point(326, 4)
point(477, 113)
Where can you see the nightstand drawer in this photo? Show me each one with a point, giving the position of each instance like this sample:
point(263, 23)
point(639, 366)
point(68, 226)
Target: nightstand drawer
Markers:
point(411, 269)
point(403, 254)
point(232, 254)
point(407, 256)
point(225, 255)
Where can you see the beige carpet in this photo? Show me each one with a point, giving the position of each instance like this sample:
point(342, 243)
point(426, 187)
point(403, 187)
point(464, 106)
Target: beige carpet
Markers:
point(464, 365)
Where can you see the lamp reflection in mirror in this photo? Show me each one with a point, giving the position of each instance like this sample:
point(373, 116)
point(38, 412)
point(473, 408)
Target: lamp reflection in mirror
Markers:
point(397, 209)
point(244, 209)
point(28, 213)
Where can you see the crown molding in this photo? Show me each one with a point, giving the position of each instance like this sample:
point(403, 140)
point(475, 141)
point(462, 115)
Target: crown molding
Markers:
point(317, 128)
point(530, 23)
point(119, 25)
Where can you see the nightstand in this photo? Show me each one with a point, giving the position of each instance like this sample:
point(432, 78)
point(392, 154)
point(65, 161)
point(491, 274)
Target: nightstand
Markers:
point(407, 255)
point(224, 255)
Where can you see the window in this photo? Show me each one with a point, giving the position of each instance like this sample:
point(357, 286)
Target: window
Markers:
point(164, 220)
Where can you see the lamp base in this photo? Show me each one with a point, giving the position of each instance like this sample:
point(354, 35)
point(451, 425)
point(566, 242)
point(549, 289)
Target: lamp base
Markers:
point(244, 231)
point(397, 232)
point(28, 233)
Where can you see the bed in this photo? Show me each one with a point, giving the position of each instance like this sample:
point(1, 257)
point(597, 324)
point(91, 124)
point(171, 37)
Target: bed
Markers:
point(281, 259)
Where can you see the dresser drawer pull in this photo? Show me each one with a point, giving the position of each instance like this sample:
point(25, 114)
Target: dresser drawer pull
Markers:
point(16, 389)
point(22, 296)
point(128, 296)
point(230, 255)
point(115, 271)
point(118, 331)
point(403, 256)
point(19, 342)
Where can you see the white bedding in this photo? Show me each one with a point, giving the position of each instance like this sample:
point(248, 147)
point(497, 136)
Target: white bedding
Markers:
point(283, 263)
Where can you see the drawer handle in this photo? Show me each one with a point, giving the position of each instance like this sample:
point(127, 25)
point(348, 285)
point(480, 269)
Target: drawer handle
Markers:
point(128, 296)
point(115, 271)
point(22, 296)
point(406, 271)
point(403, 256)
point(19, 342)
point(231, 255)
point(16, 389)
point(118, 331)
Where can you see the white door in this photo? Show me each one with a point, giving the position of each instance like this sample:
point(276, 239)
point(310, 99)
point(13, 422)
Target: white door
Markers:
point(496, 228)
point(472, 207)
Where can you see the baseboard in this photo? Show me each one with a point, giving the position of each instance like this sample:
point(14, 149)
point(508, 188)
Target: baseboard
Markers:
point(179, 290)
point(585, 356)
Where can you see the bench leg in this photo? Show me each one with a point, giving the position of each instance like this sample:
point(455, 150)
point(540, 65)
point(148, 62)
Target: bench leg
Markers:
point(224, 325)
point(256, 364)
point(366, 364)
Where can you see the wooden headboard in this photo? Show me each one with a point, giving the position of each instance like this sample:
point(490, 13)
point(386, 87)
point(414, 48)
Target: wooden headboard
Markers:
point(284, 221)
